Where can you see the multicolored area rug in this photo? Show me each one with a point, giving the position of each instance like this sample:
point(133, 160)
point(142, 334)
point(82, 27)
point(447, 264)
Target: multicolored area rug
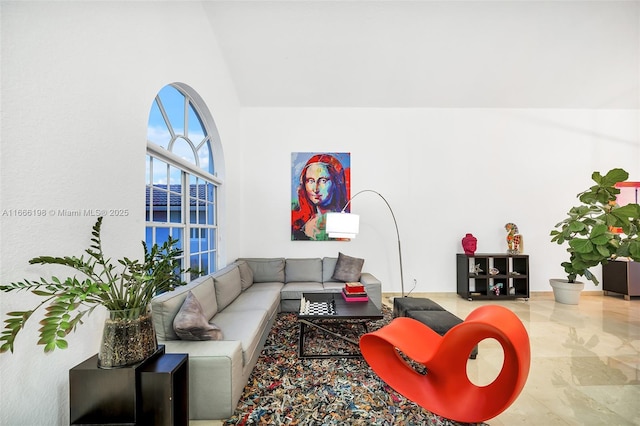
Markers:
point(286, 390)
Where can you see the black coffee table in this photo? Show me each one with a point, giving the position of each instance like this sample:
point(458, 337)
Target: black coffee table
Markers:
point(332, 308)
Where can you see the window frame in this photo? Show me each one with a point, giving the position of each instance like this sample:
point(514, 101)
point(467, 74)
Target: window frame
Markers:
point(188, 171)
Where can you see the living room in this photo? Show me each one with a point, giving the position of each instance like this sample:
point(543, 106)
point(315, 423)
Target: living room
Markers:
point(464, 115)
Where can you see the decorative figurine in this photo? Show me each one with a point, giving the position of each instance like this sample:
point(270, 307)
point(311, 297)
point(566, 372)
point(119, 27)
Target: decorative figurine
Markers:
point(496, 288)
point(514, 239)
point(469, 244)
point(477, 269)
point(494, 271)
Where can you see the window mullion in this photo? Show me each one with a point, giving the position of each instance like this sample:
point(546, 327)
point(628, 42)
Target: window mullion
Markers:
point(169, 157)
point(186, 236)
point(165, 117)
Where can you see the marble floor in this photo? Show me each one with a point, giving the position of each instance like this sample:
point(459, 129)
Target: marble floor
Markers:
point(585, 360)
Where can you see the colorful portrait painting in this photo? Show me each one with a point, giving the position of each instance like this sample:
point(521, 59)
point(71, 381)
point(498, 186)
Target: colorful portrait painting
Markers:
point(320, 183)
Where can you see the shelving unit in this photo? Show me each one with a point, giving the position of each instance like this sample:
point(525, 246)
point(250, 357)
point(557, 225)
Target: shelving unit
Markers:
point(153, 392)
point(475, 280)
point(621, 278)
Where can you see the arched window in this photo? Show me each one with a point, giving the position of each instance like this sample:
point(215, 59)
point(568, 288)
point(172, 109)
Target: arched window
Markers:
point(181, 182)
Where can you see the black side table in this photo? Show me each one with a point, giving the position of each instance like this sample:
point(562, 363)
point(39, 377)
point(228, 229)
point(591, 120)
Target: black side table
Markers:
point(153, 392)
point(164, 384)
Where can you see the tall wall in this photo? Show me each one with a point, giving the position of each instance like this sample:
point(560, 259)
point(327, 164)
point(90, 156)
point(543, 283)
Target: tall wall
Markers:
point(445, 172)
point(78, 81)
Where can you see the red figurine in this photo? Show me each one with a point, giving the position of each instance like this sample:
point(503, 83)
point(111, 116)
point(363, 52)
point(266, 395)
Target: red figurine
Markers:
point(469, 244)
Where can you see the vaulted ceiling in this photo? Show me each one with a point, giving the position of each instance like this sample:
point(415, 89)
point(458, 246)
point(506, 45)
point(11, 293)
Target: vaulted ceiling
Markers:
point(431, 54)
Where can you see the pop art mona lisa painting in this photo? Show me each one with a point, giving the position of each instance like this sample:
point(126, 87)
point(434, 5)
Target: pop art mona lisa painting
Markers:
point(320, 183)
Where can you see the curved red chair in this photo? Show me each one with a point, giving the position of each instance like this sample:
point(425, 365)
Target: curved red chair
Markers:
point(446, 389)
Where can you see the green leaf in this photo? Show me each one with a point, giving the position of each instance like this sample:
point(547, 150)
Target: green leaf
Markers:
point(600, 240)
point(48, 326)
point(581, 245)
point(603, 251)
point(50, 346)
point(576, 226)
point(614, 176)
point(42, 293)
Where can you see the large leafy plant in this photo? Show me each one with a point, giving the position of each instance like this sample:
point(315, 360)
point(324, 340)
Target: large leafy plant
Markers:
point(121, 288)
point(590, 228)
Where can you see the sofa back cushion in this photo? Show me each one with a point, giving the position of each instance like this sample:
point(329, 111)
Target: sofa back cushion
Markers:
point(165, 306)
point(227, 285)
point(246, 274)
point(328, 266)
point(266, 270)
point(303, 270)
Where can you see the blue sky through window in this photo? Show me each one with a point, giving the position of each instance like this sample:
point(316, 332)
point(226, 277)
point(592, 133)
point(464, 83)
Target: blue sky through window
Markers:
point(191, 144)
point(182, 208)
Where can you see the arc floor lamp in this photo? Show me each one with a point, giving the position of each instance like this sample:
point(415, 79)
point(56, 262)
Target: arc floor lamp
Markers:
point(347, 225)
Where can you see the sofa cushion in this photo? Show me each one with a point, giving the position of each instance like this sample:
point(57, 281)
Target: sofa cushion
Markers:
point(190, 323)
point(332, 286)
point(261, 296)
point(207, 297)
point(303, 270)
point(246, 275)
point(267, 269)
point(246, 326)
point(227, 285)
point(294, 290)
point(328, 266)
point(348, 268)
point(165, 306)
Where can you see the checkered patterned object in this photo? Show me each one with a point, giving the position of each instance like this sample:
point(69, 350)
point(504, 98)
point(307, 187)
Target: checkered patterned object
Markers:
point(325, 307)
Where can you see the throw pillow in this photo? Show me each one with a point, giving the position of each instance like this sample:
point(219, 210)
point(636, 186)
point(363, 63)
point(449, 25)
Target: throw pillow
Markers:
point(190, 323)
point(348, 269)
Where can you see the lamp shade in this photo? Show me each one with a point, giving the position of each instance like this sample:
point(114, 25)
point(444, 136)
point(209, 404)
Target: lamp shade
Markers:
point(342, 225)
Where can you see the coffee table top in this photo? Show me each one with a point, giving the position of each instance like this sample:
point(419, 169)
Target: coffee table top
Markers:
point(333, 306)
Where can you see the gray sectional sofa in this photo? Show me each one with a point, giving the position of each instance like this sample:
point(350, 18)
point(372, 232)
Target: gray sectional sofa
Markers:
point(242, 300)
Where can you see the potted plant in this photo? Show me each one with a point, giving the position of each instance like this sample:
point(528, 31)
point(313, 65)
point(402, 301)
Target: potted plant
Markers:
point(591, 233)
point(125, 291)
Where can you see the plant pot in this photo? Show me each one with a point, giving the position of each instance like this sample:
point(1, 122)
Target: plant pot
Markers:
point(128, 338)
point(566, 292)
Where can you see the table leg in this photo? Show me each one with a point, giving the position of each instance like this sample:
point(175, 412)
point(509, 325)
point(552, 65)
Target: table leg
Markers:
point(301, 339)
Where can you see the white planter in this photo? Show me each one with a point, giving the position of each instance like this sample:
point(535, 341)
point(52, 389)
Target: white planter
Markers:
point(565, 292)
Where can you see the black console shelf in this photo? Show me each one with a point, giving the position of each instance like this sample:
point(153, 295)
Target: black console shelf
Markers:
point(153, 392)
point(480, 274)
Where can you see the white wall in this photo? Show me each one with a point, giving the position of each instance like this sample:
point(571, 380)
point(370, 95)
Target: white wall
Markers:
point(78, 81)
point(445, 172)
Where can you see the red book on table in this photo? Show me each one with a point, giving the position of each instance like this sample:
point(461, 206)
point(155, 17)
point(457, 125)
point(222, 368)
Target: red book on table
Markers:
point(354, 288)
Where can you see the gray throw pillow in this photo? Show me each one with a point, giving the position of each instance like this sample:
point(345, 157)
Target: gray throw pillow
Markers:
point(190, 323)
point(348, 269)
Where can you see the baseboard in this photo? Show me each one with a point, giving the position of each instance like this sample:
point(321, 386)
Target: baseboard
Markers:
point(533, 294)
